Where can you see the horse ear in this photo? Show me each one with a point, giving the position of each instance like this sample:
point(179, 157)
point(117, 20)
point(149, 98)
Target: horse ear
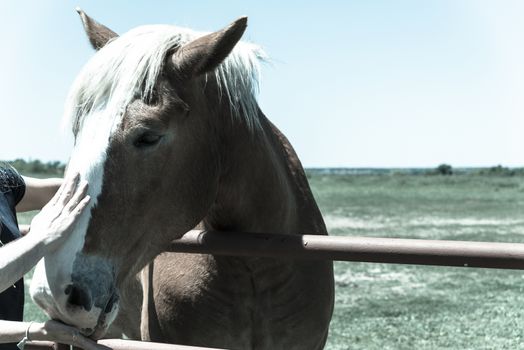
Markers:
point(207, 52)
point(98, 34)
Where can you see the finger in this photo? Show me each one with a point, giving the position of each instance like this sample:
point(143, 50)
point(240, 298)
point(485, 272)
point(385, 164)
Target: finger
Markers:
point(57, 195)
point(60, 193)
point(81, 206)
point(75, 213)
point(77, 197)
point(69, 189)
point(71, 218)
point(54, 207)
point(79, 341)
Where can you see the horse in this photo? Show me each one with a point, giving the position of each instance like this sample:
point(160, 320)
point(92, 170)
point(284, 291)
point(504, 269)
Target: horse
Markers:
point(169, 135)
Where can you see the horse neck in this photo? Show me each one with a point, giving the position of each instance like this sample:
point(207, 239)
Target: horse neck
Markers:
point(262, 186)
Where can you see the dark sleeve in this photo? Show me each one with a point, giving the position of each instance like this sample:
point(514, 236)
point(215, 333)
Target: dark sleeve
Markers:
point(12, 184)
point(19, 190)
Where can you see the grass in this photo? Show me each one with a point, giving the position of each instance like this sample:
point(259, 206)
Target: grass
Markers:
point(381, 306)
point(31, 311)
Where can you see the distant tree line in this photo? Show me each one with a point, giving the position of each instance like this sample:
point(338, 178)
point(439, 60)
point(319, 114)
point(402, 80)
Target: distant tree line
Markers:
point(440, 170)
point(54, 168)
point(498, 170)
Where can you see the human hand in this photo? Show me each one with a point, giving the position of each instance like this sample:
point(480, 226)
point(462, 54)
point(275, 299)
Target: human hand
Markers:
point(58, 332)
point(57, 218)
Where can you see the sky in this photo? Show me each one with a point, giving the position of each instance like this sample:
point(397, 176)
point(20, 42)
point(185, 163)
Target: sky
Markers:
point(374, 83)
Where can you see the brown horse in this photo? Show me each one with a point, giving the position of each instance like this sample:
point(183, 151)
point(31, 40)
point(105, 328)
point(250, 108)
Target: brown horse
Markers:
point(169, 135)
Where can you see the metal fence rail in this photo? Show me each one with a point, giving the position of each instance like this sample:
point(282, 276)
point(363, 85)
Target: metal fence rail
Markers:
point(365, 249)
point(114, 344)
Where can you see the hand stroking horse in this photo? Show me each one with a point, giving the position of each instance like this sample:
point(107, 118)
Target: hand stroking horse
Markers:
point(169, 135)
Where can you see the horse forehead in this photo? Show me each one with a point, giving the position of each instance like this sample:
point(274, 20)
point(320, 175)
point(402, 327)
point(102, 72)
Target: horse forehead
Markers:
point(93, 139)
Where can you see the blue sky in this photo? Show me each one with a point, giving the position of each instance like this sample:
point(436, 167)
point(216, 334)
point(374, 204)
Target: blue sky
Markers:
point(351, 83)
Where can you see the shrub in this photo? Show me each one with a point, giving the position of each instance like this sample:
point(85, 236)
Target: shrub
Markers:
point(498, 170)
point(444, 169)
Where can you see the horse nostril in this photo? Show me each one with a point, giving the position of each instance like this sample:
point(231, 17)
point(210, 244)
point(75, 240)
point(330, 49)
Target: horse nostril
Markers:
point(79, 297)
point(110, 303)
point(68, 289)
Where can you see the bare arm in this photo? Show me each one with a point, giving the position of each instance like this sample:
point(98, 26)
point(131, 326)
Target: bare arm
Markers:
point(48, 230)
point(37, 193)
point(18, 257)
point(13, 332)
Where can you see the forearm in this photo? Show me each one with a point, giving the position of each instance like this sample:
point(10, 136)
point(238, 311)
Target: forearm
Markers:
point(13, 332)
point(18, 257)
point(38, 193)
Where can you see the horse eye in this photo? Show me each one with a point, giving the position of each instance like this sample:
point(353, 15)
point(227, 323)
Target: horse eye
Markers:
point(152, 98)
point(147, 139)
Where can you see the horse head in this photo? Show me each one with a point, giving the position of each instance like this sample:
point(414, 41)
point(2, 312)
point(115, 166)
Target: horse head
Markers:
point(143, 112)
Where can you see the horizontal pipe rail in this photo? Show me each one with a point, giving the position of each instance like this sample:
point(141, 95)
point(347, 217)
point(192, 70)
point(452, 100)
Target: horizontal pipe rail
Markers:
point(315, 247)
point(364, 249)
point(114, 344)
point(45, 345)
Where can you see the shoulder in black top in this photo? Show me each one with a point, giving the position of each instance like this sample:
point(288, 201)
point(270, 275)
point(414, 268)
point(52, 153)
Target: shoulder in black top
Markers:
point(12, 189)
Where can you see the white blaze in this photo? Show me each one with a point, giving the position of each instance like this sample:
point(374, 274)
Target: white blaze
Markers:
point(88, 159)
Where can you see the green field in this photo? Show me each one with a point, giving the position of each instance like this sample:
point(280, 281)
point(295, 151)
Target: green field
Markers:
point(381, 306)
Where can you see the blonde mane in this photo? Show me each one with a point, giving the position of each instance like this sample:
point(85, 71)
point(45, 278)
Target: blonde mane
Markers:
point(130, 65)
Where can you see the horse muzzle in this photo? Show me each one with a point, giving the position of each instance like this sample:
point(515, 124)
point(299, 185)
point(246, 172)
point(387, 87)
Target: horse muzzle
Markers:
point(84, 296)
